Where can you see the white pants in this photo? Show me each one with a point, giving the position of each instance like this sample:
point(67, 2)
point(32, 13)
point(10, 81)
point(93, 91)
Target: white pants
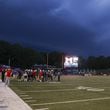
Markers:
point(7, 81)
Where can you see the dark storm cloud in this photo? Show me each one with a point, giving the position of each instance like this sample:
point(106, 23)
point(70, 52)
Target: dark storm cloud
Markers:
point(72, 26)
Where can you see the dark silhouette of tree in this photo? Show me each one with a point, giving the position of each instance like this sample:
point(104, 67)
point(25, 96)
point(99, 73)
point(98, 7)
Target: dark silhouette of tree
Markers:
point(5, 52)
point(55, 58)
point(82, 63)
point(18, 56)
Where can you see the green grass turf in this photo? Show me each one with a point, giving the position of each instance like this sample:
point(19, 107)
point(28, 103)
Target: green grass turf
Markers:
point(66, 91)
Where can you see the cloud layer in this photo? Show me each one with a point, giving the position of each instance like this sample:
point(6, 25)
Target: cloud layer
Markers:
point(73, 26)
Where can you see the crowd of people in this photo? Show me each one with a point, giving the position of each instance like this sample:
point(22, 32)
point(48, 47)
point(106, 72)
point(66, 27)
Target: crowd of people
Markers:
point(39, 75)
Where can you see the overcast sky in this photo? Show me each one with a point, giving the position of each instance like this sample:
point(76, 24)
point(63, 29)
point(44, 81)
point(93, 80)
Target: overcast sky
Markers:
point(79, 27)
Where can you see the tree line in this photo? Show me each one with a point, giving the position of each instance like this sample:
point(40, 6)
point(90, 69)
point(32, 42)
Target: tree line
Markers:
point(92, 62)
point(19, 56)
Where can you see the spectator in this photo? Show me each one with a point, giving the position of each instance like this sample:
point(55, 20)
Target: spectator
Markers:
point(59, 73)
point(3, 75)
point(40, 75)
point(8, 74)
point(33, 74)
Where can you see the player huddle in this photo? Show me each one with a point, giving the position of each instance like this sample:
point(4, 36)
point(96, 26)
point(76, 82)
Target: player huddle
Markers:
point(39, 75)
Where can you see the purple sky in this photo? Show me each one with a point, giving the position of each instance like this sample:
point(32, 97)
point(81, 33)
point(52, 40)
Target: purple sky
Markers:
point(79, 27)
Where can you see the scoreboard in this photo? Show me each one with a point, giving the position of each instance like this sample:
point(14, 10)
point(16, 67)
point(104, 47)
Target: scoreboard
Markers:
point(71, 61)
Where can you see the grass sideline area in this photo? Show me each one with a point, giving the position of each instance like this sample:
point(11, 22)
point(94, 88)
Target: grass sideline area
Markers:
point(72, 93)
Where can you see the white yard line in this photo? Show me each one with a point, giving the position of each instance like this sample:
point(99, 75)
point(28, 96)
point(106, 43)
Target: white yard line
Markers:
point(30, 101)
point(21, 93)
point(26, 98)
point(74, 101)
point(22, 85)
point(24, 95)
point(42, 109)
point(61, 90)
point(51, 90)
point(54, 84)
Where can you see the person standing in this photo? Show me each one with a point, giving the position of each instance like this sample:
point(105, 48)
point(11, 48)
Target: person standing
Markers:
point(59, 73)
point(8, 74)
point(40, 75)
point(3, 75)
point(34, 75)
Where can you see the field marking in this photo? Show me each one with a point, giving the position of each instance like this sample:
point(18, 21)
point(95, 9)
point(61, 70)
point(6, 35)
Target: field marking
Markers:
point(61, 90)
point(24, 95)
point(74, 101)
point(21, 85)
point(30, 101)
point(26, 98)
point(83, 88)
point(42, 109)
point(54, 82)
point(21, 93)
point(51, 90)
point(95, 90)
point(92, 89)
point(96, 87)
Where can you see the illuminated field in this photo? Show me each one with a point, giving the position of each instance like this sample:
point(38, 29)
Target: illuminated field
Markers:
point(72, 93)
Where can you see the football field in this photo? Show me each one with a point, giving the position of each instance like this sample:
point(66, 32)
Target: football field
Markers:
point(72, 93)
